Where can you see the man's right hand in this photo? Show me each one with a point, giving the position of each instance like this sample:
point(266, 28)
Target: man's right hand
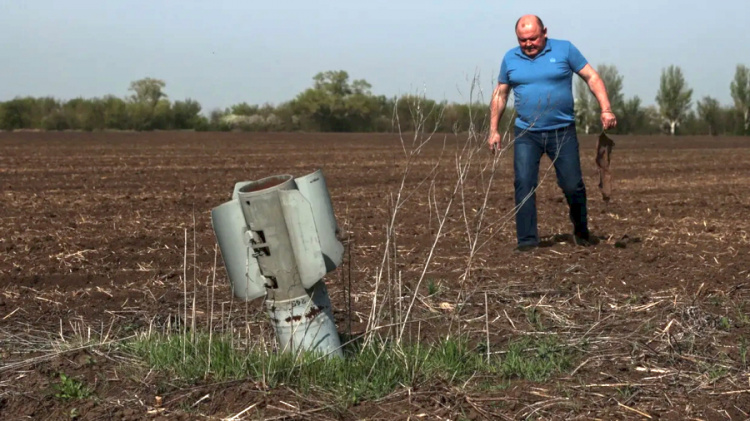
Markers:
point(494, 141)
point(609, 120)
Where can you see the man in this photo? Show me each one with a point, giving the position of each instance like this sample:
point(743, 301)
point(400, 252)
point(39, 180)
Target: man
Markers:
point(540, 72)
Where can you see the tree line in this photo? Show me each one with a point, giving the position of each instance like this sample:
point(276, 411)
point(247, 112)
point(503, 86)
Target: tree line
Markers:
point(674, 112)
point(146, 109)
point(335, 104)
point(332, 104)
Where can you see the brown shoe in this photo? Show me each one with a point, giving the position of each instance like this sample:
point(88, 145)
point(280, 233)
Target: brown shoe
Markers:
point(586, 241)
point(525, 248)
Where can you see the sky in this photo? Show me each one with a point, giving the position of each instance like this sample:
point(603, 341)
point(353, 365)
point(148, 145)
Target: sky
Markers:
point(223, 52)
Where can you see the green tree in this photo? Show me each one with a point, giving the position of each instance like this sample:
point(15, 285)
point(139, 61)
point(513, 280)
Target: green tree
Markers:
point(147, 93)
point(140, 116)
point(462, 117)
point(585, 107)
point(85, 114)
point(243, 109)
point(334, 104)
point(324, 104)
point(334, 82)
point(363, 108)
point(709, 112)
point(73, 112)
point(654, 120)
point(186, 114)
point(632, 117)
point(28, 112)
point(96, 118)
point(613, 82)
point(216, 120)
point(288, 121)
point(42, 108)
point(162, 118)
point(18, 113)
point(115, 113)
point(417, 113)
point(740, 88)
point(55, 120)
point(691, 124)
point(732, 121)
point(673, 97)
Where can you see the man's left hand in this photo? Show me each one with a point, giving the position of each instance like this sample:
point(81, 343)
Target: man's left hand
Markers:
point(609, 121)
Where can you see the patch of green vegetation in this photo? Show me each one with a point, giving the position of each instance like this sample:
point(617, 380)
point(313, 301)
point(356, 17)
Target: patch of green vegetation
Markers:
point(536, 359)
point(648, 327)
point(633, 299)
point(493, 384)
point(716, 300)
point(534, 317)
point(626, 392)
point(433, 288)
point(743, 351)
point(366, 373)
point(725, 323)
point(742, 317)
point(71, 389)
point(715, 372)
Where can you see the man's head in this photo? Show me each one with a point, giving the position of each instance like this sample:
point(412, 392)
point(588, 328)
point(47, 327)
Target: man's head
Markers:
point(532, 35)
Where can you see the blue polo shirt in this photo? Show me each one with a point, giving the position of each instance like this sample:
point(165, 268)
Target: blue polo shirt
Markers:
point(543, 85)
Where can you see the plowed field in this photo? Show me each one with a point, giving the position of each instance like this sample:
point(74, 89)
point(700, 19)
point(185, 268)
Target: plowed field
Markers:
point(100, 231)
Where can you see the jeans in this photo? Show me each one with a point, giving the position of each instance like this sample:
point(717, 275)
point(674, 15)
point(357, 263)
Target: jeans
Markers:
point(561, 146)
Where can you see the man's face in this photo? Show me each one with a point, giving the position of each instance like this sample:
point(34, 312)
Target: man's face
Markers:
point(532, 39)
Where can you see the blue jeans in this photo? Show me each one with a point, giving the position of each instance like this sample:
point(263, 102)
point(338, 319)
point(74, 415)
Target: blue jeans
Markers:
point(561, 146)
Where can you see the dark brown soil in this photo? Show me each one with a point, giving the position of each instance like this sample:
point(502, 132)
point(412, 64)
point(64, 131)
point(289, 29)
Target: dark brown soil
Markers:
point(94, 228)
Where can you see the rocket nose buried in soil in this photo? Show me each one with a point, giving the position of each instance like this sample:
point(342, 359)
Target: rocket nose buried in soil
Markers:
point(278, 238)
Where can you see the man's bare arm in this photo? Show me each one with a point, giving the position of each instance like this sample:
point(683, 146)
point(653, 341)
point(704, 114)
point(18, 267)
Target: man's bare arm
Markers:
point(596, 85)
point(497, 108)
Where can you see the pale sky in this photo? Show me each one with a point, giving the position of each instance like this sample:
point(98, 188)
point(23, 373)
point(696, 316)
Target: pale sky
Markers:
point(222, 52)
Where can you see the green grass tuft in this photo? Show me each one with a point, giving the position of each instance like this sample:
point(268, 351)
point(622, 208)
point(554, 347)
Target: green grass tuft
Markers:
point(536, 360)
point(71, 389)
point(365, 373)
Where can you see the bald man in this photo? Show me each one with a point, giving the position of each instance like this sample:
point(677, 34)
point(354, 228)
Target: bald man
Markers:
point(540, 73)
